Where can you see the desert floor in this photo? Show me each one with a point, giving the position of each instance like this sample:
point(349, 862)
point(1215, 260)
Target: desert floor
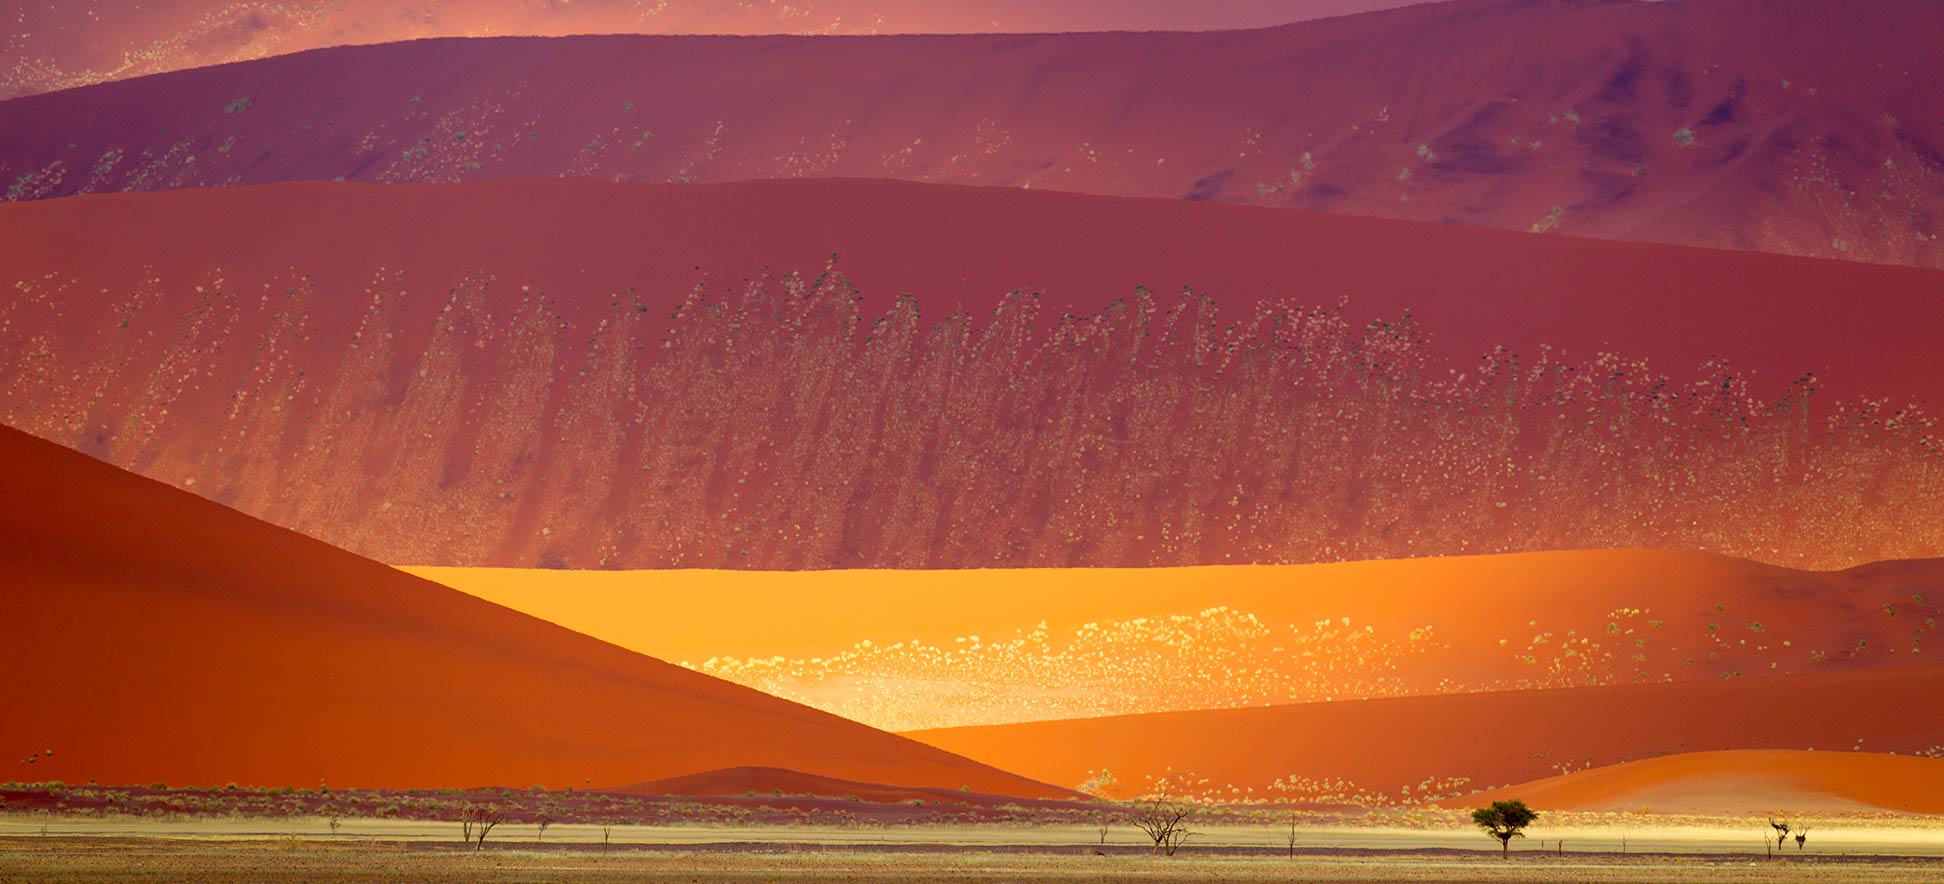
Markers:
point(65, 859)
point(232, 849)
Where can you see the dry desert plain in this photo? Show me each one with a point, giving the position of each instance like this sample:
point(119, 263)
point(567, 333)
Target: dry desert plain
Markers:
point(304, 850)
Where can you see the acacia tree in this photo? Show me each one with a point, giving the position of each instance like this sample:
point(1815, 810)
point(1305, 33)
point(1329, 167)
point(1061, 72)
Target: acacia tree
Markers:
point(1781, 832)
point(1505, 820)
point(1163, 821)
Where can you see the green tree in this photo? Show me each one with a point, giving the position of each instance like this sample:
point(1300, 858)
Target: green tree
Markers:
point(1505, 820)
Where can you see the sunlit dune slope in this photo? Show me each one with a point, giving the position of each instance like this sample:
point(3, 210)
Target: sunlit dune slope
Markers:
point(524, 373)
point(155, 636)
point(770, 781)
point(1745, 782)
point(1726, 123)
point(1416, 749)
point(905, 649)
point(59, 45)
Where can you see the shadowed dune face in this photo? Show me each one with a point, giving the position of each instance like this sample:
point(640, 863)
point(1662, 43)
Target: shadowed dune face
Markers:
point(925, 649)
point(1744, 782)
point(155, 636)
point(1726, 123)
point(1419, 749)
point(62, 45)
point(520, 374)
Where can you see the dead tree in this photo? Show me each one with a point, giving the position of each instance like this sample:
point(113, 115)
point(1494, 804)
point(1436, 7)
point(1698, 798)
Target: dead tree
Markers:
point(1781, 832)
point(1164, 822)
point(477, 820)
point(1801, 837)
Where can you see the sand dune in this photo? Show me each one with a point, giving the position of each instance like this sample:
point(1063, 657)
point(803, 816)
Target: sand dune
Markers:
point(1745, 782)
point(543, 349)
point(1416, 749)
point(1725, 123)
point(999, 646)
point(56, 46)
point(154, 636)
point(771, 781)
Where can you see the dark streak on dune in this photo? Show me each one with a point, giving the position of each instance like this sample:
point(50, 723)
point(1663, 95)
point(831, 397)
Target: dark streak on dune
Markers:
point(518, 373)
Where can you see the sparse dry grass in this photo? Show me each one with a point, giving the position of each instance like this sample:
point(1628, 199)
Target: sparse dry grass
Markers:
point(98, 861)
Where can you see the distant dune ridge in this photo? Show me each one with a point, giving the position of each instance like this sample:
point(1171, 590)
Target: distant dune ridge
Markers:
point(1415, 749)
point(56, 45)
point(154, 636)
point(573, 374)
point(1801, 127)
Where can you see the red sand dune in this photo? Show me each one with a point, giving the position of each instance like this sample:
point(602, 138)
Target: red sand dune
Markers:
point(534, 337)
point(154, 636)
point(770, 781)
point(1793, 126)
point(1416, 749)
point(60, 45)
point(1743, 782)
point(904, 650)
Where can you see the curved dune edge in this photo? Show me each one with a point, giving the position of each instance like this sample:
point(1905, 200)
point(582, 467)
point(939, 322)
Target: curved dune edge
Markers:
point(1741, 782)
point(157, 637)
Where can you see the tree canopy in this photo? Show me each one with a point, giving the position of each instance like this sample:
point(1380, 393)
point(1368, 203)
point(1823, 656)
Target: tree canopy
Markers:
point(1505, 820)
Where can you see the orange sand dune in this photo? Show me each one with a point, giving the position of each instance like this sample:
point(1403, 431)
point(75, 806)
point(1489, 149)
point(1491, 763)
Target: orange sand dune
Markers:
point(767, 781)
point(155, 636)
point(1417, 749)
point(916, 649)
point(1745, 782)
